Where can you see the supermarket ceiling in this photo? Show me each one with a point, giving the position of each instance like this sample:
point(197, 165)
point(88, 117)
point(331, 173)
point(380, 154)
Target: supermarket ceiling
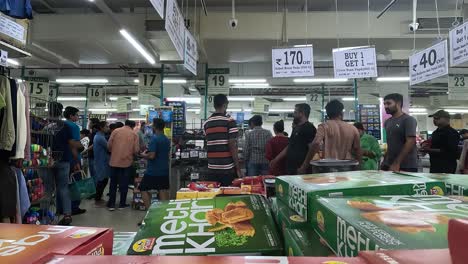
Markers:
point(76, 37)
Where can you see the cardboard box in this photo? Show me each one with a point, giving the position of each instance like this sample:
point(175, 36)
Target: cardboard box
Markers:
point(299, 242)
point(209, 194)
point(457, 234)
point(31, 243)
point(122, 241)
point(429, 256)
point(299, 192)
point(288, 218)
point(221, 225)
point(186, 193)
point(354, 224)
point(456, 184)
point(200, 260)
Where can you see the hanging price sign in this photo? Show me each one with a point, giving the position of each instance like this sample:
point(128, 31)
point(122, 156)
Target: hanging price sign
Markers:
point(459, 44)
point(293, 62)
point(38, 87)
point(218, 81)
point(429, 64)
point(95, 94)
point(355, 62)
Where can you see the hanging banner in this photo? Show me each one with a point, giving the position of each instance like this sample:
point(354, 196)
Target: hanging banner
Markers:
point(218, 81)
point(458, 87)
point(292, 62)
point(429, 63)
point(53, 94)
point(101, 117)
point(38, 87)
point(175, 26)
point(191, 53)
point(459, 44)
point(95, 94)
point(4, 58)
point(355, 62)
point(261, 106)
point(124, 105)
point(159, 6)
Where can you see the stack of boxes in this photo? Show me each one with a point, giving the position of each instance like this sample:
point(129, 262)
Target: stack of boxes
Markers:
point(307, 210)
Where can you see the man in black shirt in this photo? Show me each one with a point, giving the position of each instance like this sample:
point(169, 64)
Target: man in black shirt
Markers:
point(303, 134)
point(443, 150)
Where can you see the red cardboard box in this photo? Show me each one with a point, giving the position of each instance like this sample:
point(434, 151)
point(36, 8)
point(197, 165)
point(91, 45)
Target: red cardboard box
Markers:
point(457, 238)
point(430, 256)
point(200, 260)
point(31, 243)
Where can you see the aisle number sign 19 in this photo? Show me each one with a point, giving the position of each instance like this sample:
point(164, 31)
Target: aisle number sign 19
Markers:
point(429, 63)
point(218, 81)
point(293, 62)
point(95, 94)
point(38, 87)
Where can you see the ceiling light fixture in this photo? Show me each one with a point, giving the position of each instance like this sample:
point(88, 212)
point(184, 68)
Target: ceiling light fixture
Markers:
point(136, 81)
point(251, 85)
point(241, 99)
point(137, 46)
point(175, 81)
point(111, 119)
point(71, 98)
point(348, 99)
point(239, 110)
point(320, 80)
point(294, 99)
point(393, 79)
point(188, 100)
point(247, 80)
point(281, 110)
point(303, 45)
point(417, 110)
point(87, 81)
point(457, 111)
point(419, 114)
point(115, 98)
point(13, 62)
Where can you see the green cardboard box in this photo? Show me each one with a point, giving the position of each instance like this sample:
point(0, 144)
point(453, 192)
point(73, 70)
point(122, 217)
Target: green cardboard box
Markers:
point(288, 218)
point(299, 192)
point(299, 243)
point(457, 184)
point(392, 222)
point(214, 226)
point(122, 241)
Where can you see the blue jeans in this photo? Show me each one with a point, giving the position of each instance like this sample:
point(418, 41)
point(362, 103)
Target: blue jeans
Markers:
point(119, 177)
point(58, 176)
point(257, 169)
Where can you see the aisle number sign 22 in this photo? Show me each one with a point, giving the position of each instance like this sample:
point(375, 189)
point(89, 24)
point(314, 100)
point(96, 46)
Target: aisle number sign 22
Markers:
point(38, 87)
point(429, 64)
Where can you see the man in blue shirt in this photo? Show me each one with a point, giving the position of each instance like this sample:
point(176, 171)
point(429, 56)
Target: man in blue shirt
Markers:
point(157, 171)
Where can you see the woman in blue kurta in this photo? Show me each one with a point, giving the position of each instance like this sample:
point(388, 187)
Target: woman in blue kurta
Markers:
point(101, 160)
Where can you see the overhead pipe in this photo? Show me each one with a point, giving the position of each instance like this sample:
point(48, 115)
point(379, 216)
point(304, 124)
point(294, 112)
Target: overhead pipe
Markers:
point(386, 8)
point(58, 56)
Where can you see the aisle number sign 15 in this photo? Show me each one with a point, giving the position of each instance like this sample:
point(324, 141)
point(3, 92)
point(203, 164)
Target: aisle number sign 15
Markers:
point(429, 63)
point(38, 87)
point(218, 81)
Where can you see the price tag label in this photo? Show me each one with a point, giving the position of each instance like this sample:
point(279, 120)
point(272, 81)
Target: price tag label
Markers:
point(218, 81)
point(293, 62)
point(459, 44)
point(355, 62)
point(53, 94)
point(38, 87)
point(194, 176)
point(4, 58)
point(185, 155)
point(149, 83)
point(429, 64)
point(458, 87)
point(95, 94)
point(194, 153)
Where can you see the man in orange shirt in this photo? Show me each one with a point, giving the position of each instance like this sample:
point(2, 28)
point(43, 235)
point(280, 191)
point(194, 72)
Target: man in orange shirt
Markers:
point(123, 145)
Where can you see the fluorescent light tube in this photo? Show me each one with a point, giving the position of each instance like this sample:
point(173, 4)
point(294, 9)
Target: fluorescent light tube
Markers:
point(88, 81)
point(179, 81)
point(136, 81)
point(137, 46)
point(457, 111)
point(281, 110)
point(137, 119)
point(294, 99)
point(241, 99)
point(251, 85)
point(193, 110)
point(115, 98)
point(13, 62)
point(417, 110)
point(70, 98)
point(393, 79)
point(188, 100)
point(247, 80)
point(418, 114)
point(348, 99)
point(320, 80)
point(239, 110)
point(303, 45)
point(111, 119)
point(102, 109)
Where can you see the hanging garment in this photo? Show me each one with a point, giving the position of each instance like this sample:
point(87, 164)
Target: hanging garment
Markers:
point(24, 201)
point(20, 9)
point(21, 126)
point(8, 193)
point(7, 154)
point(27, 148)
point(2, 102)
point(7, 129)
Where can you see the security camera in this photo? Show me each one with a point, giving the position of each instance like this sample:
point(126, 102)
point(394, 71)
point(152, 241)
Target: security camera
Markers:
point(413, 27)
point(233, 23)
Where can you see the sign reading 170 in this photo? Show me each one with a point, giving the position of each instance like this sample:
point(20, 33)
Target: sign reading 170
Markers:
point(295, 57)
point(293, 62)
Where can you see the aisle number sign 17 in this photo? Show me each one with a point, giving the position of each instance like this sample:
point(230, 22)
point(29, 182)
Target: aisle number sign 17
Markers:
point(149, 83)
point(218, 81)
point(429, 64)
point(38, 87)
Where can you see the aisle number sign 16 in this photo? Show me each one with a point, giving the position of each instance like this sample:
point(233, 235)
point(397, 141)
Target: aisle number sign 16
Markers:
point(95, 93)
point(38, 87)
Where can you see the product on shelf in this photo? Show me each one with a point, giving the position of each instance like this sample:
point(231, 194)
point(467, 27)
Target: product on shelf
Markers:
point(428, 256)
point(353, 224)
point(288, 218)
point(300, 242)
point(186, 193)
point(221, 225)
point(122, 241)
point(35, 185)
point(457, 184)
point(31, 243)
point(300, 192)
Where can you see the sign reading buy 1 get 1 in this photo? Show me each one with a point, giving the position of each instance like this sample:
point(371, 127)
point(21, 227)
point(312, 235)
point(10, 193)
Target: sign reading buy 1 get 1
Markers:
point(293, 62)
point(429, 63)
point(355, 62)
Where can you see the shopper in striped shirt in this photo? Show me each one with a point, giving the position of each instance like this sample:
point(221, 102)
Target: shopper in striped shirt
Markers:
point(221, 139)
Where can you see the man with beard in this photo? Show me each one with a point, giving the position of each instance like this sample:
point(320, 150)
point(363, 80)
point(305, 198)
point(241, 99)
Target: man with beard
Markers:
point(401, 137)
point(302, 135)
